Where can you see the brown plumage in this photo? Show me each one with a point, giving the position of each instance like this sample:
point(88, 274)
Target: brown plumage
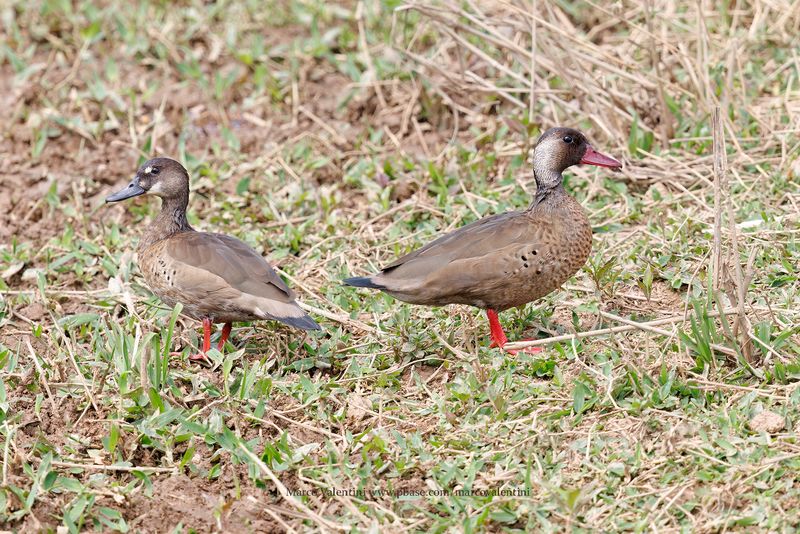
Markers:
point(216, 277)
point(509, 259)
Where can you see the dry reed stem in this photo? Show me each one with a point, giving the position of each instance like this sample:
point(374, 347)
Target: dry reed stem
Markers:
point(728, 260)
point(646, 326)
point(42, 375)
point(118, 468)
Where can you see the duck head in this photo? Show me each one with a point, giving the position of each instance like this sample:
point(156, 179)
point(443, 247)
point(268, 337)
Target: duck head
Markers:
point(163, 177)
point(560, 148)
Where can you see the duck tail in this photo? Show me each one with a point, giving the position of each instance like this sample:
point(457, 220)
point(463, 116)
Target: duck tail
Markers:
point(362, 281)
point(303, 322)
point(286, 312)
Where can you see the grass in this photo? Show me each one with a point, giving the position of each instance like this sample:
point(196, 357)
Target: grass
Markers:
point(333, 138)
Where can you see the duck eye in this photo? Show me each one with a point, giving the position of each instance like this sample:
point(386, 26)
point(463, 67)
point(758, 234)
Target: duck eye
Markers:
point(568, 139)
point(154, 170)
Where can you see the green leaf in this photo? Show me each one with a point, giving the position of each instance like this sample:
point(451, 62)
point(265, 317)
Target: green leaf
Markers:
point(110, 441)
point(579, 395)
point(71, 321)
point(155, 399)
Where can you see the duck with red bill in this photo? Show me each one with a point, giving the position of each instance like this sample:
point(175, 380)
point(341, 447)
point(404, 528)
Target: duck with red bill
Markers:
point(593, 157)
point(509, 259)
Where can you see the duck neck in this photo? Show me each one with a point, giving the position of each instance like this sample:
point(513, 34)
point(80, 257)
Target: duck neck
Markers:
point(170, 221)
point(548, 185)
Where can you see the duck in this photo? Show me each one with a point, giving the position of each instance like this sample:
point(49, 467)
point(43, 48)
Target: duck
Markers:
point(216, 277)
point(509, 259)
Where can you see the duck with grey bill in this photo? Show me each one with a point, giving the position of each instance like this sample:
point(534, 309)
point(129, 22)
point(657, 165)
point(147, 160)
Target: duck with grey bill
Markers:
point(216, 277)
point(509, 259)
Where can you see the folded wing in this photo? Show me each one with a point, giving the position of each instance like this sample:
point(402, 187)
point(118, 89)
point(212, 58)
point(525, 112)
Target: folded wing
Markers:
point(221, 267)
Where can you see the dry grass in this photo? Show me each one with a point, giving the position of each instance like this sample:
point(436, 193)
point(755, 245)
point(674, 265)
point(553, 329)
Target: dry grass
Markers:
point(333, 138)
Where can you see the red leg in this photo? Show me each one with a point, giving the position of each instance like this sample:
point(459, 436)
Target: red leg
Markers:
point(495, 330)
point(201, 356)
point(226, 331)
point(499, 338)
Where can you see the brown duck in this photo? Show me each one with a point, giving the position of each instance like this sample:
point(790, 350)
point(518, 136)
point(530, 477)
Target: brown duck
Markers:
point(505, 260)
point(216, 277)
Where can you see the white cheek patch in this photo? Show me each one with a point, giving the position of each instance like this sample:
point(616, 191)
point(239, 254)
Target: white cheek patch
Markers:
point(545, 150)
point(156, 189)
point(148, 170)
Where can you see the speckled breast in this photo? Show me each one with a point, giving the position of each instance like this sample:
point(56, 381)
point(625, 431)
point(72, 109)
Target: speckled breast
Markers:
point(548, 264)
point(160, 273)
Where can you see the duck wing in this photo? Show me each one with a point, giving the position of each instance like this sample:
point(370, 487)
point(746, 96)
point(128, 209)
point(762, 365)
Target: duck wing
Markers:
point(475, 239)
point(494, 262)
point(230, 273)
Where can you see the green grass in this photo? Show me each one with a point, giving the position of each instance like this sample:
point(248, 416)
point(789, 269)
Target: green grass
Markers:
point(332, 145)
